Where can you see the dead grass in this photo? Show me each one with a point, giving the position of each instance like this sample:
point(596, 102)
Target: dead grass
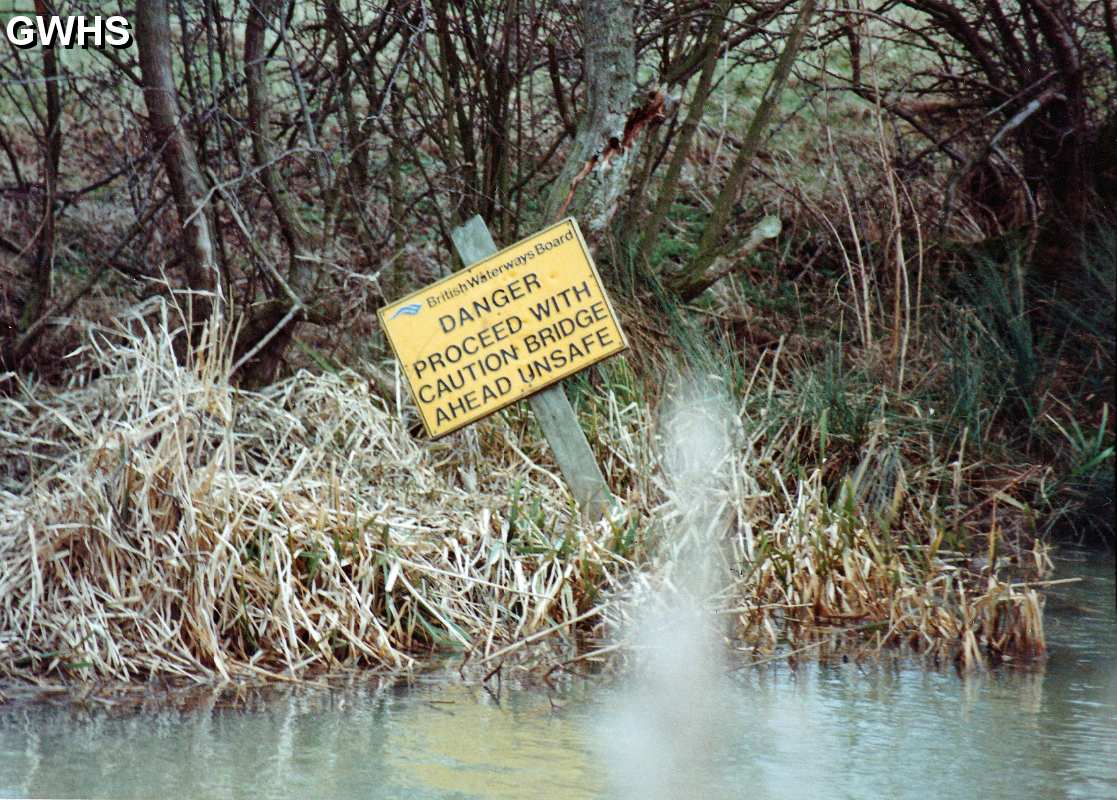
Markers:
point(156, 521)
point(162, 522)
point(859, 569)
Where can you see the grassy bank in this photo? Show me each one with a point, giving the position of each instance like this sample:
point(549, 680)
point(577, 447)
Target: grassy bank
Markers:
point(158, 521)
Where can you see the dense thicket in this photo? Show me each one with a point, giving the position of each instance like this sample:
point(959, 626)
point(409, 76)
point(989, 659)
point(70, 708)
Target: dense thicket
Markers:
point(290, 166)
point(881, 235)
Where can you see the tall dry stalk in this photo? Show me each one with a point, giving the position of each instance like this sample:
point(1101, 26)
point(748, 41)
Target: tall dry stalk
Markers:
point(155, 520)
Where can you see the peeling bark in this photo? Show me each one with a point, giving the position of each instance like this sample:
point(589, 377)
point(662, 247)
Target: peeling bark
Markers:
point(599, 164)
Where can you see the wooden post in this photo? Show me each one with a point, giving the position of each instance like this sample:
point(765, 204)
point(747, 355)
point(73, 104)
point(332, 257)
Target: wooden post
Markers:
point(554, 412)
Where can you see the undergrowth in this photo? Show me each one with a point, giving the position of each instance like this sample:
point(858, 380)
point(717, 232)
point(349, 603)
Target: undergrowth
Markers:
point(159, 521)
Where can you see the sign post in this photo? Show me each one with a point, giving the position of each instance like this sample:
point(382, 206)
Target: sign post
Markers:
point(511, 325)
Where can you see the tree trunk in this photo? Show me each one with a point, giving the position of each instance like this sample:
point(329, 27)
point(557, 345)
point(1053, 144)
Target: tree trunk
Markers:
point(1069, 174)
point(259, 126)
point(697, 276)
point(42, 264)
point(264, 364)
point(669, 188)
point(600, 162)
point(153, 39)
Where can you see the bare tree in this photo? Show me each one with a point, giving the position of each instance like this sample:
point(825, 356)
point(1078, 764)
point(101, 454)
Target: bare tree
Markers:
point(167, 123)
point(599, 164)
point(696, 277)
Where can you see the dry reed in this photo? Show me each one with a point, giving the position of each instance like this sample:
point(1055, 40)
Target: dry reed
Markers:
point(155, 520)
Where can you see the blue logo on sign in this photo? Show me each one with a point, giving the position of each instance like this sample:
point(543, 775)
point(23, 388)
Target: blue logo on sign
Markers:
point(410, 310)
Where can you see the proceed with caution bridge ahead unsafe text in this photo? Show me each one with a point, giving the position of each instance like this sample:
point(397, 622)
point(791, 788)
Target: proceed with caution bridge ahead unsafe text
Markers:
point(502, 329)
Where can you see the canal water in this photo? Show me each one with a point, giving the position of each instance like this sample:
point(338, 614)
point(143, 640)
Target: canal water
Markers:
point(840, 730)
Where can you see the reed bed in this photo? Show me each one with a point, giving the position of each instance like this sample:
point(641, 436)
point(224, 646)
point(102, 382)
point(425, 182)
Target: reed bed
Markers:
point(157, 521)
point(806, 569)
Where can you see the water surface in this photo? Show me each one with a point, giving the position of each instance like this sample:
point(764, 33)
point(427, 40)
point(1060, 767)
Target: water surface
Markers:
point(840, 730)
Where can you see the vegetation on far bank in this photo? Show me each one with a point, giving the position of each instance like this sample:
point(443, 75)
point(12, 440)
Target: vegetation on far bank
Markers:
point(210, 469)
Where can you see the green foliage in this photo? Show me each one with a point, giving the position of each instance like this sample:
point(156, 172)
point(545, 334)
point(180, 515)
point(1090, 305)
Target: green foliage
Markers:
point(997, 297)
point(625, 536)
point(1082, 498)
point(1086, 311)
point(838, 400)
point(675, 247)
point(701, 351)
point(975, 387)
point(993, 357)
point(530, 532)
point(309, 560)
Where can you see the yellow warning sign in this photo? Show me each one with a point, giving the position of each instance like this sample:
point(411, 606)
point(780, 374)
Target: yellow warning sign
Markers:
point(502, 329)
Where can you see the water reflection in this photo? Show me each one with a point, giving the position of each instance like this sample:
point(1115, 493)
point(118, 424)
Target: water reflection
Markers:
point(822, 731)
